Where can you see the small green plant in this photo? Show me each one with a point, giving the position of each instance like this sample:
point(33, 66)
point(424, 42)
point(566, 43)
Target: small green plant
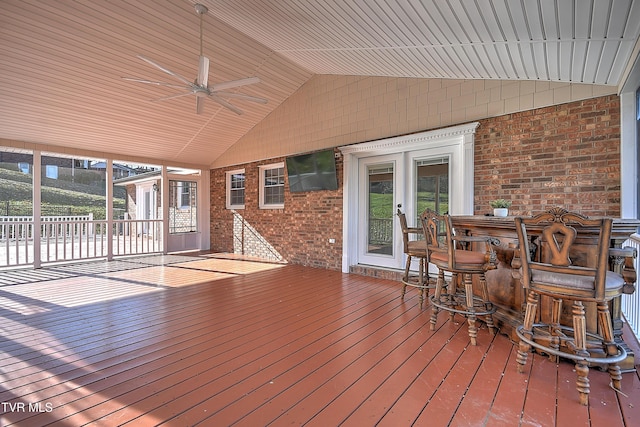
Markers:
point(500, 204)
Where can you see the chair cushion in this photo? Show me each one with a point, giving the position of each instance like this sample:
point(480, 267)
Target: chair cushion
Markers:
point(613, 280)
point(462, 257)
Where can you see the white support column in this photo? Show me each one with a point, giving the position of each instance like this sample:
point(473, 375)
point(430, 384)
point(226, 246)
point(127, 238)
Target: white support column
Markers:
point(468, 153)
point(628, 156)
point(109, 207)
point(37, 208)
point(164, 194)
point(204, 225)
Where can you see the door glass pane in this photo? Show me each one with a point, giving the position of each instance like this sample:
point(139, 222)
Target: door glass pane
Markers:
point(380, 209)
point(183, 207)
point(432, 186)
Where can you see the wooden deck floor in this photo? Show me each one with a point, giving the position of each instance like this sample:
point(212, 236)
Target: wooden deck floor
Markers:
point(181, 341)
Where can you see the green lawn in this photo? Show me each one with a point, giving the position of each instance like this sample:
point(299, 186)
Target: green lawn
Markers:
point(381, 205)
point(59, 197)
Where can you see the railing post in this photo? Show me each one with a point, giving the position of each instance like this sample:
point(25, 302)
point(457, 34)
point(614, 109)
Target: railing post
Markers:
point(631, 303)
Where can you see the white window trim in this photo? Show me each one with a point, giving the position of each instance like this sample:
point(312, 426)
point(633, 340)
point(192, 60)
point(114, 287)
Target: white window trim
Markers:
point(229, 174)
point(261, 169)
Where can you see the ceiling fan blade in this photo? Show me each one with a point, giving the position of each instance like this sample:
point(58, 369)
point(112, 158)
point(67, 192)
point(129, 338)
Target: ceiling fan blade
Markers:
point(199, 104)
point(164, 98)
point(226, 104)
point(234, 83)
point(161, 68)
point(203, 71)
point(151, 82)
point(241, 96)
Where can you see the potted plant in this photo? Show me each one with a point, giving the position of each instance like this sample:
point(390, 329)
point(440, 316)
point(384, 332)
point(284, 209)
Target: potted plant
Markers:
point(500, 207)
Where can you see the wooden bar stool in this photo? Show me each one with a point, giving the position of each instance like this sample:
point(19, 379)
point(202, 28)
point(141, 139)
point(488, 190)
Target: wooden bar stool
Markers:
point(452, 253)
point(547, 270)
point(414, 248)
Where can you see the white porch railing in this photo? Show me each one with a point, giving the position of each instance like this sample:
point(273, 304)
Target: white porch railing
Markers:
point(75, 238)
point(137, 236)
point(631, 303)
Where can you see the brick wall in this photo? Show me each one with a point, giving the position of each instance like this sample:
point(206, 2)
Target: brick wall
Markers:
point(299, 233)
point(567, 155)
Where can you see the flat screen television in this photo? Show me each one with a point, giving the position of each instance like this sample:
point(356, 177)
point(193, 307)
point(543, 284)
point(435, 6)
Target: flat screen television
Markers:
point(312, 172)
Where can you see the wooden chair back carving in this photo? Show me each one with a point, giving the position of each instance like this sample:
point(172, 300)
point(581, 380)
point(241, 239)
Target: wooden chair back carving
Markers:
point(553, 250)
point(431, 224)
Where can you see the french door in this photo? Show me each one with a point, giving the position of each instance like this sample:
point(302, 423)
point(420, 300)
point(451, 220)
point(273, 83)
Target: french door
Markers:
point(411, 182)
point(411, 172)
point(380, 187)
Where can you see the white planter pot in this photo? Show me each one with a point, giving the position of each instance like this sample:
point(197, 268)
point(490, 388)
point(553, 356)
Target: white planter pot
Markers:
point(500, 212)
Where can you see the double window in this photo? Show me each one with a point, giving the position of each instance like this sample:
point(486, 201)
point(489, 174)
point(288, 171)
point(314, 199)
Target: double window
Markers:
point(271, 191)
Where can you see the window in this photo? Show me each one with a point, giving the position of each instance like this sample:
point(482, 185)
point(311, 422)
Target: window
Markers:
point(272, 186)
point(381, 208)
point(51, 171)
point(235, 189)
point(24, 167)
point(185, 195)
point(80, 163)
point(432, 185)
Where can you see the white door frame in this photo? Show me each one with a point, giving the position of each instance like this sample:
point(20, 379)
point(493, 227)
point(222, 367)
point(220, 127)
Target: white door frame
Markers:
point(198, 240)
point(457, 142)
point(141, 189)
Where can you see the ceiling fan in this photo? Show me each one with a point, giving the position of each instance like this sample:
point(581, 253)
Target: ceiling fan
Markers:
point(200, 88)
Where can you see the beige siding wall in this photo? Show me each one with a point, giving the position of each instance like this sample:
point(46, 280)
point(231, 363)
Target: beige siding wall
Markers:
point(330, 111)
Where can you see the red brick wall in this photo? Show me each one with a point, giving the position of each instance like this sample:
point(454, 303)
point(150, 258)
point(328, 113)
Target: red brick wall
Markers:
point(566, 155)
point(299, 233)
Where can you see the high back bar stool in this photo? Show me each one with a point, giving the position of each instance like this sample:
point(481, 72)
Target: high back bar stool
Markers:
point(547, 270)
point(414, 248)
point(455, 254)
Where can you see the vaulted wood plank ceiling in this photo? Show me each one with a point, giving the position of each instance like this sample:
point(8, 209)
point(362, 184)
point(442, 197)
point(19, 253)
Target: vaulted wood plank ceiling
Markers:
point(62, 62)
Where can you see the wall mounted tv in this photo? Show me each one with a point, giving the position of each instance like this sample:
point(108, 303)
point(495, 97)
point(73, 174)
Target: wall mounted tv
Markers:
point(312, 172)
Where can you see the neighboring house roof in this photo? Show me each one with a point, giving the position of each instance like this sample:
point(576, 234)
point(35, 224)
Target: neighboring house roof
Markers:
point(138, 179)
point(103, 165)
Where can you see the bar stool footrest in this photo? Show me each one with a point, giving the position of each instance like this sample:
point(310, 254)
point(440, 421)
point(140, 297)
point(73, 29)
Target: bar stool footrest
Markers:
point(622, 353)
point(481, 307)
point(414, 281)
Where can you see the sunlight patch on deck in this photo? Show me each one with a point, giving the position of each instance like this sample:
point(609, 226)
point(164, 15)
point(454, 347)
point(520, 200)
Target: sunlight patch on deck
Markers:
point(228, 265)
point(168, 276)
point(71, 292)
